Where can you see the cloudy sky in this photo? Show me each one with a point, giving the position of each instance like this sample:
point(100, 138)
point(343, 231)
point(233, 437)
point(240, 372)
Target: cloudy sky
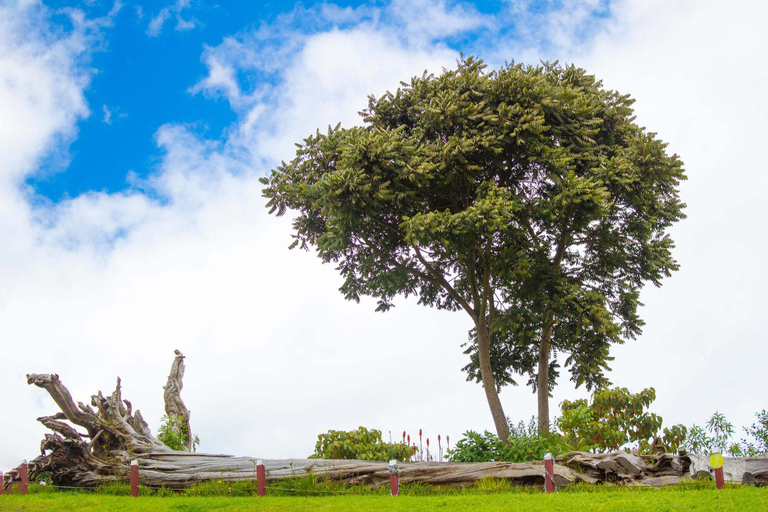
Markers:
point(132, 136)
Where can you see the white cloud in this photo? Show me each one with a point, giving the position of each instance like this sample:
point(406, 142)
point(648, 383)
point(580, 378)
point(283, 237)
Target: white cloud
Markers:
point(107, 119)
point(176, 10)
point(429, 20)
point(102, 285)
point(155, 26)
point(40, 88)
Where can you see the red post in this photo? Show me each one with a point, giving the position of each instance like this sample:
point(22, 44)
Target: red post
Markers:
point(23, 477)
point(549, 473)
point(261, 479)
point(2, 483)
point(719, 478)
point(134, 479)
point(394, 478)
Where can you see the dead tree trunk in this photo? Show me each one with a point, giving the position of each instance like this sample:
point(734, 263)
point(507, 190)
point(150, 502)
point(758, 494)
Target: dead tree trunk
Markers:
point(174, 405)
point(114, 435)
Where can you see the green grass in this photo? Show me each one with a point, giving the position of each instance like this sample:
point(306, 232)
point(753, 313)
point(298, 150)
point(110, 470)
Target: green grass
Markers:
point(697, 496)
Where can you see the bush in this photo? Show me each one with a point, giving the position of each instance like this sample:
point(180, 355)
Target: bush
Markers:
point(716, 437)
point(614, 419)
point(360, 444)
point(173, 433)
point(524, 445)
point(759, 431)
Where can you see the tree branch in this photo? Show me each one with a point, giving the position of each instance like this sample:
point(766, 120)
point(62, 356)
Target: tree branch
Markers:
point(446, 285)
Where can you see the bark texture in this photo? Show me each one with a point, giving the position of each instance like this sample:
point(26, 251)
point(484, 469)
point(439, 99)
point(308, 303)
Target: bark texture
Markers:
point(542, 380)
point(174, 405)
point(489, 383)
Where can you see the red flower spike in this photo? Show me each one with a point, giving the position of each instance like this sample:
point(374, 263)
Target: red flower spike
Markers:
point(427, 442)
point(419, 433)
point(409, 439)
point(403, 435)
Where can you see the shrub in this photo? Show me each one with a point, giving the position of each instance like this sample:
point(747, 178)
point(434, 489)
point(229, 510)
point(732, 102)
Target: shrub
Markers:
point(759, 431)
point(716, 437)
point(173, 433)
point(362, 444)
point(614, 419)
point(524, 445)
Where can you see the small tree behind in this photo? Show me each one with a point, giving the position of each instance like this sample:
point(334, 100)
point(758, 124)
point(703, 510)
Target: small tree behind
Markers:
point(616, 417)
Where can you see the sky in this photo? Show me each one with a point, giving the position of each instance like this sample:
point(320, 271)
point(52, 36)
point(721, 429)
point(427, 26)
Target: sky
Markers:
point(132, 137)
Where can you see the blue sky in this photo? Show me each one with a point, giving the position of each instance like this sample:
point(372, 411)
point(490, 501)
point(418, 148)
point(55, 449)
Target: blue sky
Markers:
point(132, 137)
point(146, 61)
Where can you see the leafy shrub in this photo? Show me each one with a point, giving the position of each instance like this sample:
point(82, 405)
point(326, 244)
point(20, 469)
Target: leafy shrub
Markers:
point(173, 433)
point(614, 419)
point(361, 444)
point(674, 438)
point(474, 447)
point(714, 437)
point(718, 431)
point(524, 445)
point(759, 431)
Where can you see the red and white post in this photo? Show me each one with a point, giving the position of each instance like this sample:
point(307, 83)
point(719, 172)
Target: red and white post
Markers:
point(134, 479)
point(24, 478)
point(549, 473)
point(261, 478)
point(394, 478)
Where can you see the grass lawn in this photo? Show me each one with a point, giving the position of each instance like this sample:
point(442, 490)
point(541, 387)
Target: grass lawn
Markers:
point(624, 499)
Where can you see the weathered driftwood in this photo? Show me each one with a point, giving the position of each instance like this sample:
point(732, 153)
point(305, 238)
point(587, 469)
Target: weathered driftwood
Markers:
point(746, 470)
point(114, 435)
point(178, 470)
point(174, 405)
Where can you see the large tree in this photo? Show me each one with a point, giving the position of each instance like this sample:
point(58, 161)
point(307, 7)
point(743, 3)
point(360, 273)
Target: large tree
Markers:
point(526, 197)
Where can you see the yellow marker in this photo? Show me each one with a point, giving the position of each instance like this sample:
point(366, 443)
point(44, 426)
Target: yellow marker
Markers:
point(716, 460)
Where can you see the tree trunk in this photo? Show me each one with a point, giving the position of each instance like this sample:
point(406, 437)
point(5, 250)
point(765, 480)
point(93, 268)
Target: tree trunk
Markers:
point(489, 383)
point(174, 405)
point(542, 380)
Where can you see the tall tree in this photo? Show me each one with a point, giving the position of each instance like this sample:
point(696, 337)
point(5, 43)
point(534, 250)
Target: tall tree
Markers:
point(525, 197)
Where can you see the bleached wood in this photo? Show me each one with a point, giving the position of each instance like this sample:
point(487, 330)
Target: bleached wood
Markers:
point(116, 435)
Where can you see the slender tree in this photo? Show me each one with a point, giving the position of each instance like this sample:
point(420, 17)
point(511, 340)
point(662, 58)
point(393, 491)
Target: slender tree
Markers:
point(526, 197)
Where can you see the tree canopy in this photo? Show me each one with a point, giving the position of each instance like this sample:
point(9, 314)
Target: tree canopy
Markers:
point(526, 197)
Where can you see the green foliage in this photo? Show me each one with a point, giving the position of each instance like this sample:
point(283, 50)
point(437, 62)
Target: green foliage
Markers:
point(526, 197)
point(721, 430)
point(362, 444)
point(525, 444)
point(173, 433)
point(759, 432)
point(615, 418)
point(714, 437)
point(717, 435)
point(697, 440)
point(475, 447)
point(674, 438)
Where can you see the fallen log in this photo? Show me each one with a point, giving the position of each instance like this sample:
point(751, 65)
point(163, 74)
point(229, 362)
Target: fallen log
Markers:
point(177, 471)
point(114, 435)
